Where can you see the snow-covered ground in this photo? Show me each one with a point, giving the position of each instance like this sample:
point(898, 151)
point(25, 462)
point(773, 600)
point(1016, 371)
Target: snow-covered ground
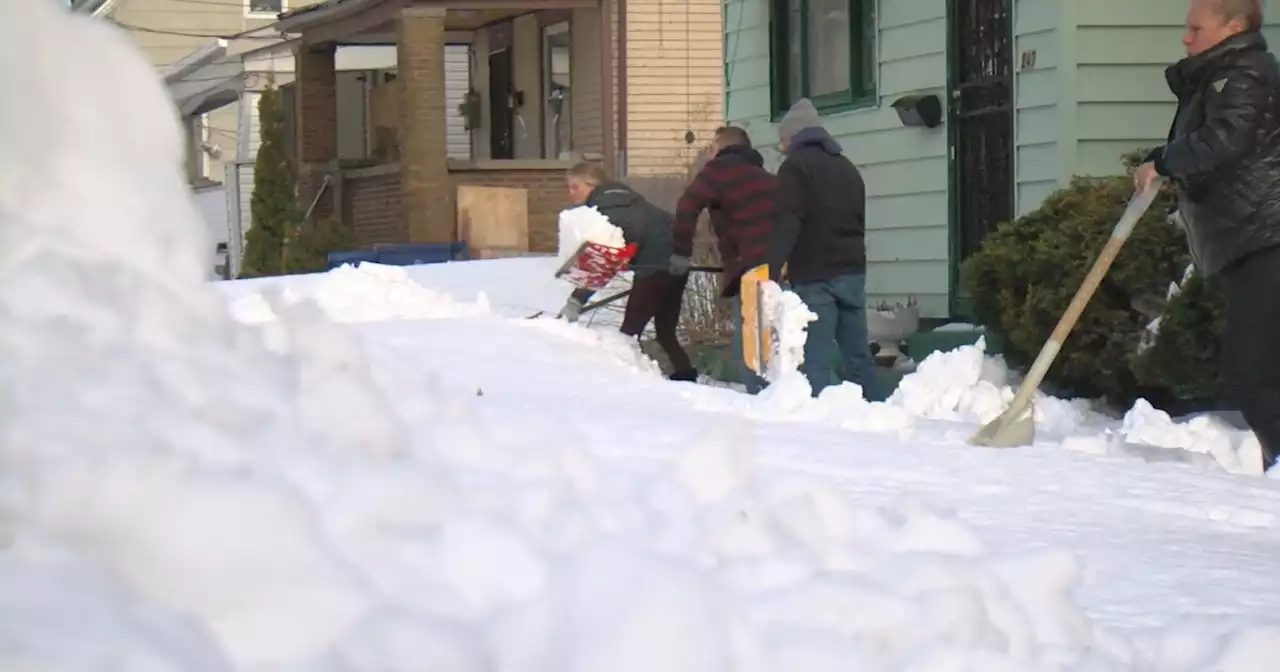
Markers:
point(398, 477)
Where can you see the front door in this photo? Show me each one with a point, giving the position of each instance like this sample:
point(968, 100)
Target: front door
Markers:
point(501, 112)
point(980, 63)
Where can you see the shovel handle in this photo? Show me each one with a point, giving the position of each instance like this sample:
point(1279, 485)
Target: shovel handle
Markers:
point(1119, 234)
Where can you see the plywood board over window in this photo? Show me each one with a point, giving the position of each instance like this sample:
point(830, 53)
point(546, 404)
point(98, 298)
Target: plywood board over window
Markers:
point(824, 50)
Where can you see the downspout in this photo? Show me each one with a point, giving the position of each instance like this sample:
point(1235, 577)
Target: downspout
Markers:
point(620, 85)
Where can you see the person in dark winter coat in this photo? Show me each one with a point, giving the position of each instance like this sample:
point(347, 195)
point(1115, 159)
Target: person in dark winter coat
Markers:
point(660, 276)
point(739, 193)
point(826, 254)
point(1223, 156)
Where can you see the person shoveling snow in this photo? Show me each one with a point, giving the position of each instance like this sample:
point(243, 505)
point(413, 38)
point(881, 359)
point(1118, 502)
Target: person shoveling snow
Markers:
point(657, 292)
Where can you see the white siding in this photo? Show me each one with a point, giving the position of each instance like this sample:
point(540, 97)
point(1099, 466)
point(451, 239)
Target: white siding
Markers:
point(457, 80)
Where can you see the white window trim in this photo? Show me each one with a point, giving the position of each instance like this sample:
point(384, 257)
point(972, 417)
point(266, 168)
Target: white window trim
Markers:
point(284, 7)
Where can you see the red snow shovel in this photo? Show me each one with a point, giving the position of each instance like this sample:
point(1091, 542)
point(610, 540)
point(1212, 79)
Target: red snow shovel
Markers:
point(1017, 425)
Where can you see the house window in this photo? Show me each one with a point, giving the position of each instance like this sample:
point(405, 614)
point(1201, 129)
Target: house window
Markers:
point(557, 99)
point(823, 50)
point(265, 7)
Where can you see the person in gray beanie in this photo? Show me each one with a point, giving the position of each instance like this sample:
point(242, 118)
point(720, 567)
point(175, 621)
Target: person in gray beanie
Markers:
point(825, 254)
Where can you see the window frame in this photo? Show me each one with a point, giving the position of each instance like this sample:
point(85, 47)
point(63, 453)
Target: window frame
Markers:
point(251, 13)
point(861, 92)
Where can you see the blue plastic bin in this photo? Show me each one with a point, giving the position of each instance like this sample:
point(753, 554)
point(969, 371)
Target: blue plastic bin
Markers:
point(411, 255)
point(352, 257)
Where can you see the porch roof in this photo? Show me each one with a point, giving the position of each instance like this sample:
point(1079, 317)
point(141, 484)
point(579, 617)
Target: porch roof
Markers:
point(336, 20)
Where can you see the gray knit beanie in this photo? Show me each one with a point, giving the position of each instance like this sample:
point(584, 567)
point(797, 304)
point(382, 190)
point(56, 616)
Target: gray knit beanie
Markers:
point(802, 115)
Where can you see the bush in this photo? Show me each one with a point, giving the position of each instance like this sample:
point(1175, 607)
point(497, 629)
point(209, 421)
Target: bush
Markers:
point(1028, 270)
point(273, 206)
point(307, 248)
point(1183, 361)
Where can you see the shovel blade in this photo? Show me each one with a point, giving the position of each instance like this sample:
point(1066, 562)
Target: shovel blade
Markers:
point(1013, 428)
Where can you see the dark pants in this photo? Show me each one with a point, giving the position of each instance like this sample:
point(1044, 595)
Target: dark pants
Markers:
point(840, 330)
point(1251, 345)
point(659, 297)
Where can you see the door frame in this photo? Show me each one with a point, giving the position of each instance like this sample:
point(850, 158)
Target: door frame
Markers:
point(958, 302)
point(510, 113)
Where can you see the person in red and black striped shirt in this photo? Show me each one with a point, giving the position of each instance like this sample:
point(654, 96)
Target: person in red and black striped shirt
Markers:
point(739, 193)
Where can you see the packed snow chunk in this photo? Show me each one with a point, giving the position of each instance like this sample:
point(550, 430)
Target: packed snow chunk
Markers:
point(367, 293)
point(585, 224)
point(1234, 450)
point(788, 317)
point(962, 384)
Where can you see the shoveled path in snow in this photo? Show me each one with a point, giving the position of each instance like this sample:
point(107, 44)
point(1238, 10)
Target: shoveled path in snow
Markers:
point(1128, 520)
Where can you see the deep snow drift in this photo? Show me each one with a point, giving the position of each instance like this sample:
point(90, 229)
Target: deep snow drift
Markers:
point(187, 492)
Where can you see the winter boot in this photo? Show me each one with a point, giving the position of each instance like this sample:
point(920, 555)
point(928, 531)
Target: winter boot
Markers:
point(690, 376)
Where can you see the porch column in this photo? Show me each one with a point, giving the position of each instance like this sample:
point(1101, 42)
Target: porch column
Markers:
point(607, 97)
point(316, 122)
point(427, 193)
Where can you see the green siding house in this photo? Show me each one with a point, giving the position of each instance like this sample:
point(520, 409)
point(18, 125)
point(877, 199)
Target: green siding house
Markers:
point(1032, 92)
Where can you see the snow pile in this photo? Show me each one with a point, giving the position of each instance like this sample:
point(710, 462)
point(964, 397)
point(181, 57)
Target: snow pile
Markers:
point(364, 293)
point(606, 344)
point(585, 224)
point(966, 385)
point(960, 385)
point(1234, 450)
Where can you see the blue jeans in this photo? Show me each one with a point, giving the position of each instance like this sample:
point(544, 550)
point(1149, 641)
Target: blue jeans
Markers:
point(840, 331)
point(746, 376)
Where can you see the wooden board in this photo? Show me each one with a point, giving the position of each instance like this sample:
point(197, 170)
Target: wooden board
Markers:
point(757, 337)
point(493, 218)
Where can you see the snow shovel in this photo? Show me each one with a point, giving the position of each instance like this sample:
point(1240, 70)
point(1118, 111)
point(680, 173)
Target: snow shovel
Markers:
point(1017, 425)
point(757, 338)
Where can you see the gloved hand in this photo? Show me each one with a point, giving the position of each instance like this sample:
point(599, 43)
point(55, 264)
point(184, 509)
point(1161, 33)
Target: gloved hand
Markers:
point(572, 310)
point(678, 265)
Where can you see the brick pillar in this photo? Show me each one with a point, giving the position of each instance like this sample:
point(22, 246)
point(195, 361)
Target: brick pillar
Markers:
point(426, 190)
point(316, 122)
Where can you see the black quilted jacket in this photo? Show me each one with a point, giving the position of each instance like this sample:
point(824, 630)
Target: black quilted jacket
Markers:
point(1223, 150)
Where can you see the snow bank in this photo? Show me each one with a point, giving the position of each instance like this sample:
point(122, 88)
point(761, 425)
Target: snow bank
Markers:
point(363, 293)
point(585, 224)
point(181, 498)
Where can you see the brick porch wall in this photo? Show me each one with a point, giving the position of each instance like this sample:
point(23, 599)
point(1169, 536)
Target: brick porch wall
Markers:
point(373, 204)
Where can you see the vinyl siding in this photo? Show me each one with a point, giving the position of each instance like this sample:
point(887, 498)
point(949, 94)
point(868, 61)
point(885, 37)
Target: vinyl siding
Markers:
point(905, 168)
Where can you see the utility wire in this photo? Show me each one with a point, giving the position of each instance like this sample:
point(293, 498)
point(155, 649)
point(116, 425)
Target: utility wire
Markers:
point(243, 35)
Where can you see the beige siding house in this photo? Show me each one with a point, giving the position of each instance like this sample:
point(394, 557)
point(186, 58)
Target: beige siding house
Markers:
point(169, 31)
point(635, 83)
point(668, 86)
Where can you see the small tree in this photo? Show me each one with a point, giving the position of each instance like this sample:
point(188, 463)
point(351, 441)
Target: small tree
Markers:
point(274, 204)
